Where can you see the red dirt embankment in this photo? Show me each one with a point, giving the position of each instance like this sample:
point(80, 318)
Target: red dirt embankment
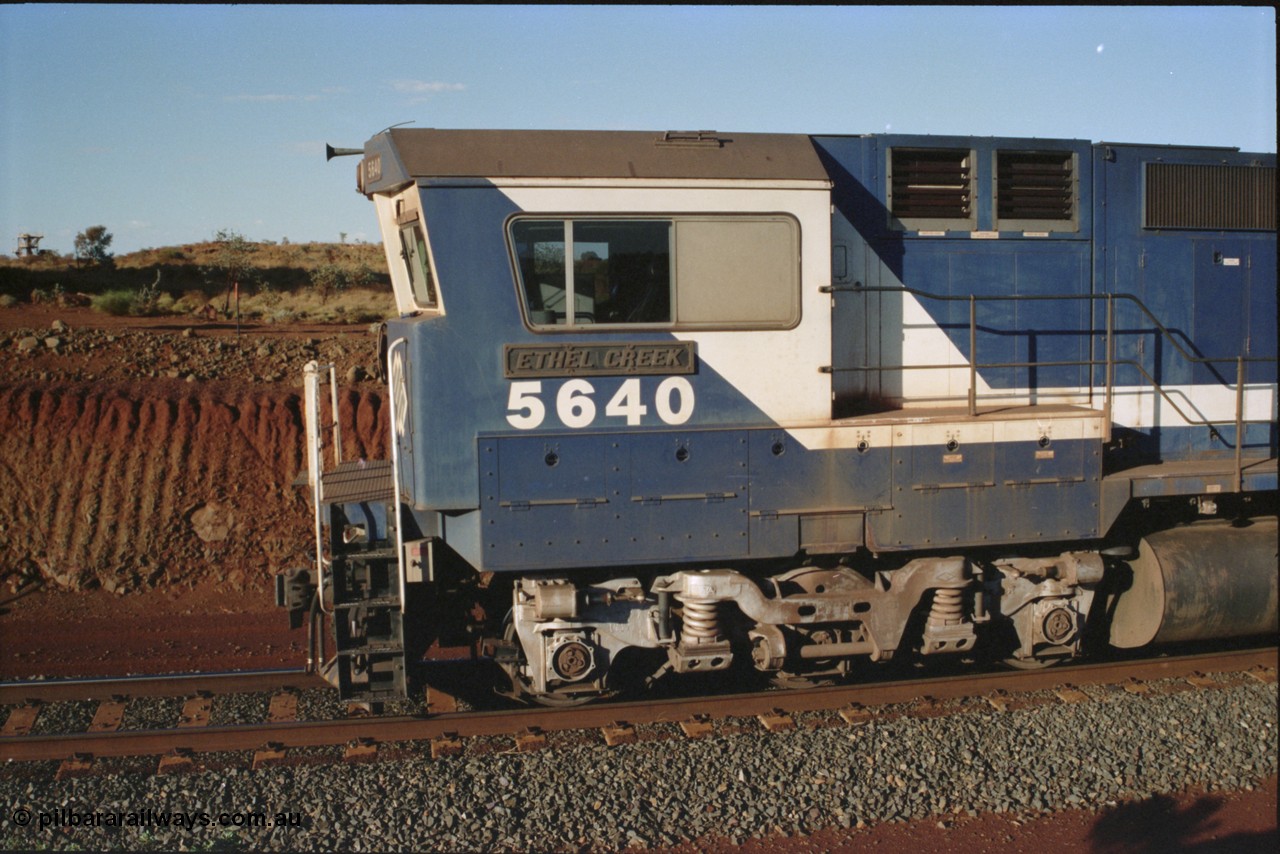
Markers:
point(162, 483)
point(146, 497)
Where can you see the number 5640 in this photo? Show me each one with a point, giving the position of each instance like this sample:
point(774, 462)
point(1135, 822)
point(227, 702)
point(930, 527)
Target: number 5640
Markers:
point(673, 403)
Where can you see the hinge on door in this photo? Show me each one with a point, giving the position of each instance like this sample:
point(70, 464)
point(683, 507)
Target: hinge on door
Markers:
point(1142, 259)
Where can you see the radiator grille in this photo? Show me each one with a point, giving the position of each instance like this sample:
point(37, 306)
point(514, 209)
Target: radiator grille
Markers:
point(934, 184)
point(1210, 197)
point(1032, 185)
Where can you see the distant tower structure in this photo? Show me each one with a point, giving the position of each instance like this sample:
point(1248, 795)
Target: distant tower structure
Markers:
point(29, 244)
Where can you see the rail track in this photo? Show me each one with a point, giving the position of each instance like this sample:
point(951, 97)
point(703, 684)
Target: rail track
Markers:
point(363, 735)
point(175, 685)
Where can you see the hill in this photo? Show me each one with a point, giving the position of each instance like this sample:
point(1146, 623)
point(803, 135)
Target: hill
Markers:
point(279, 282)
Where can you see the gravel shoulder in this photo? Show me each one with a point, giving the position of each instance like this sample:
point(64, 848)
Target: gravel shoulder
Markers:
point(1118, 773)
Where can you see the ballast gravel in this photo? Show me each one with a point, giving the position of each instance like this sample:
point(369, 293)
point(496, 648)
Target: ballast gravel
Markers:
point(1113, 747)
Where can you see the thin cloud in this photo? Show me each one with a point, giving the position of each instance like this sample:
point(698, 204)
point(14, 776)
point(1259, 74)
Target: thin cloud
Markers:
point(277, 98)
point(260, 99)
point(424, 87)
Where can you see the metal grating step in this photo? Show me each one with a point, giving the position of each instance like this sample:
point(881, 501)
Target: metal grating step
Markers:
point(354, 481)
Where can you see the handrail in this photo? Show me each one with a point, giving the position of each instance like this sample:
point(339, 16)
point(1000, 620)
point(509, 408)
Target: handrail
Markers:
point(1156, 387)
point(315, 467)
point(333, 406)
point(831, 289)
point(395, 470)
point(1109, 362)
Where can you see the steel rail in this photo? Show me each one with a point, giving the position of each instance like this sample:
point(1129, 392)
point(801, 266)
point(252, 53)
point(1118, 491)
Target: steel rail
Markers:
point(499, 723)
point(167, 685)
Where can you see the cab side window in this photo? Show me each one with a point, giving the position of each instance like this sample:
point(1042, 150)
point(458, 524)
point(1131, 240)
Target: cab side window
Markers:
point(576, 272)
point(705, 271)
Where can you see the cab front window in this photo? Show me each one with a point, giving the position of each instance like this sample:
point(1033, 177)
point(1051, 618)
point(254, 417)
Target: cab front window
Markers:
point(417, 262)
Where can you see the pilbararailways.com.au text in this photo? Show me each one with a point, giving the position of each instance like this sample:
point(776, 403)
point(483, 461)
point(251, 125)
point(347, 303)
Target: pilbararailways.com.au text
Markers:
point(151, 818)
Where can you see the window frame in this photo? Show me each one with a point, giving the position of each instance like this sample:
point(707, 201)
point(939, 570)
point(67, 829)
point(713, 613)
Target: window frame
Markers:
point(672, 219)
point(571, 323)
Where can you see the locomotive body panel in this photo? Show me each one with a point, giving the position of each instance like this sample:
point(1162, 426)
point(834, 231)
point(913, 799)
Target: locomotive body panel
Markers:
point(786, 370)
point(884, 337)
point(1190, 232)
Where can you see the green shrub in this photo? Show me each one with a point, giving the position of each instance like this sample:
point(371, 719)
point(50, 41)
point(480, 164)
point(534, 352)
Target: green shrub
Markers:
point(364, 276)
point(328, 279)
point(115, 303)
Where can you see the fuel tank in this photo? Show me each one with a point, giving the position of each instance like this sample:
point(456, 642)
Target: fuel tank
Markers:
point(1201, 581)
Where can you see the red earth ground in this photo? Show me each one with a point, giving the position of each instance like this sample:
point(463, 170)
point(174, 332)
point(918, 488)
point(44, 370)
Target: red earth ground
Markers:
point(146, 500)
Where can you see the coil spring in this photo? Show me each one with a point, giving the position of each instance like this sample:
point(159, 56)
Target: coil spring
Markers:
point(947, 606)
point(701, 621)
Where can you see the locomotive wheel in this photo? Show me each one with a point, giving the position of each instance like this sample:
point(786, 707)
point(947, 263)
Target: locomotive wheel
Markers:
point(801, 680)
point(520, 688)
point(795, 681)
point(811, 579)
point(1031, 663)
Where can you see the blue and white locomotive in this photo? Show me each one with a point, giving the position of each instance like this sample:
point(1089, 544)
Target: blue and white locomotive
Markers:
point(795, 403)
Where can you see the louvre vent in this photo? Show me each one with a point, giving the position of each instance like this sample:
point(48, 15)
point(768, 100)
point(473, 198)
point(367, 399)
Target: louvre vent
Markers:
point(932, 184)
point(1210, 197)
point(1035, 186)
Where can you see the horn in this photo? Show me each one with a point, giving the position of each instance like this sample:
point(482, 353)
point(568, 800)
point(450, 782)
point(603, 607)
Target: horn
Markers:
point(330, 152)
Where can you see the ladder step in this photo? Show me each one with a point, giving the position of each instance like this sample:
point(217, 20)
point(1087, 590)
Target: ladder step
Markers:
point(375, 554)
point(380, 696)
point(379, 602)
point(374, 649)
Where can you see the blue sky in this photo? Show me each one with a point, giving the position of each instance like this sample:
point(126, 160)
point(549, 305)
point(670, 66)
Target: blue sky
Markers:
point(168, 123)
